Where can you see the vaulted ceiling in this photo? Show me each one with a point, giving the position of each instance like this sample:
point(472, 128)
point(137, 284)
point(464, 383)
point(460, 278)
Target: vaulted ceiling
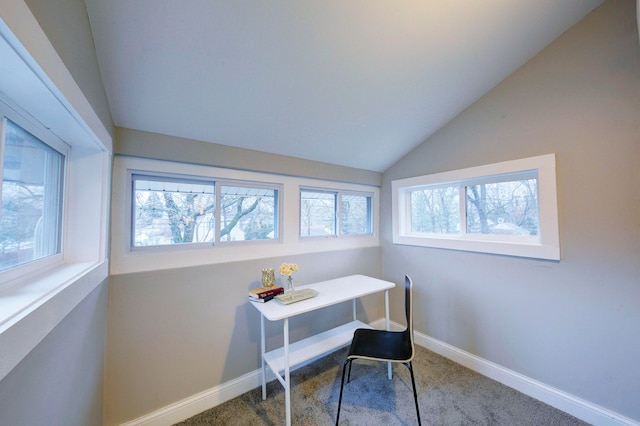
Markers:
point(358, 83)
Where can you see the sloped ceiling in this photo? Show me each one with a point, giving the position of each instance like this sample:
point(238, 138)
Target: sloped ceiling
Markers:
point(357, 83)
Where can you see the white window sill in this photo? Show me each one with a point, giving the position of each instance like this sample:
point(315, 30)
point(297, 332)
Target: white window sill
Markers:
point(506, 248)
point(30, 310)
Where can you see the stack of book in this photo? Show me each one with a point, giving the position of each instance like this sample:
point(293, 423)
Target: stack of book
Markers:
point(263, 294)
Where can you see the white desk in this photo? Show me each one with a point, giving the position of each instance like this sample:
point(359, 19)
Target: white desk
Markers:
point(329, 293)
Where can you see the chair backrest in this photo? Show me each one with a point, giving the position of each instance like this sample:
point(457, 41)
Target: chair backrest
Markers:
point(408, 309)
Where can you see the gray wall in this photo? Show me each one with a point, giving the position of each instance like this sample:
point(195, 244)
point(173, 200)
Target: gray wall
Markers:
point(60, 382)
point(174, 333)
point(66, 24)
point(572, 324)
point(183, 331)
point(136, 143)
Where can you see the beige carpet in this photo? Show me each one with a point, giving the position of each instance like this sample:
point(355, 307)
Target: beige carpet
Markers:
point(448, 394)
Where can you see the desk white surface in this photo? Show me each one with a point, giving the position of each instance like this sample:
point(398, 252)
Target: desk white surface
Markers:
point(329, 293)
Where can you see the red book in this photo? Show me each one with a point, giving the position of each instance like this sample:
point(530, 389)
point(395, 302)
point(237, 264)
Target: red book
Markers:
point(261, 292)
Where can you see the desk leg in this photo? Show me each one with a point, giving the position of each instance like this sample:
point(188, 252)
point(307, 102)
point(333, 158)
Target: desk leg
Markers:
point(386, 312)
point(354, 310)
point(287, 376)
point(262, 351)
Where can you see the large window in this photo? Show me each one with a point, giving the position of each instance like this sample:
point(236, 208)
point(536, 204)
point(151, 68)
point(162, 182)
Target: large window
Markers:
point(32, 197)
point(332, 213)
point(505, 208)
point(170, 210)
point(168, 214)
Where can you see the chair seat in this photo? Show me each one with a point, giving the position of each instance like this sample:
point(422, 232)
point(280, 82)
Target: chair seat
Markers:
point(380, 345)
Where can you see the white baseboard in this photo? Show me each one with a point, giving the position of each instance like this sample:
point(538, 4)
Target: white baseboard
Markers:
point(568, 403)
point(199, 402)
point(205, 400)
point(577, 407)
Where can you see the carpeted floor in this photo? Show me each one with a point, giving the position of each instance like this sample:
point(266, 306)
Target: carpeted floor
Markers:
point(448, 394)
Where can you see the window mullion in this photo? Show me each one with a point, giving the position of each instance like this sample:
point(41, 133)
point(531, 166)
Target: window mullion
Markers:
point(338, 214)
point(407, 212)
point(217, 213)
point(462, 196)
point(3, 126)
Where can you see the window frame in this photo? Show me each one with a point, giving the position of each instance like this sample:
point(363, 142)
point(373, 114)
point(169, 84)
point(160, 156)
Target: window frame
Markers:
point(10, 112)
point(217, 184)
point(545, 245)
point(338, 212)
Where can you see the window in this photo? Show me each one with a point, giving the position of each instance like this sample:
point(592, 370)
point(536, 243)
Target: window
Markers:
point(435, 210)
point(266, 224)
point(31, 195)
point(175, 211)
point(504, 205)
point(317, 213)
point(323, 213)
point(504, 208)
point(170, 210)
point(355, 214)
point(248, 213)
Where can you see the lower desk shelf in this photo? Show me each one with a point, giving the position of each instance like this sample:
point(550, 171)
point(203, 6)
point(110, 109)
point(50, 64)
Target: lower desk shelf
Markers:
point(314, 346)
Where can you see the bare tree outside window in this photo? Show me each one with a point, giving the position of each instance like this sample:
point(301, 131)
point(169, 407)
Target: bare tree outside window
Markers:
point(318, 213)
point(173, 212)
point(509, 208)
point(31, 194)
point(505, 208)
point(335, 213)
point(435, 210)
point(248, 213)
point(183, 211)
point(355, 214)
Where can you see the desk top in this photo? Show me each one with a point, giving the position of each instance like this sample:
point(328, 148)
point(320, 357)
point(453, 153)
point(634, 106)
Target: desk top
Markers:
point(329, 293)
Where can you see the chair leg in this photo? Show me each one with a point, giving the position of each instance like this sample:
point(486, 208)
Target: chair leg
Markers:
point(415, 393)
point(344, 369)
point(349, 375)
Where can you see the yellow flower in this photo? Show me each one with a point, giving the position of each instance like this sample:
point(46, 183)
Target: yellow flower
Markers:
point(288, 268)
point(284, 269)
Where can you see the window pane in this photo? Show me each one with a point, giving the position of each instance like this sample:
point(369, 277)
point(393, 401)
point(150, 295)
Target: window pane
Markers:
point(507, 208)
point(248, 213)
point(317, 213)
point(173, 212)
point(31, 215)
point(356, 214)
point(435, 210)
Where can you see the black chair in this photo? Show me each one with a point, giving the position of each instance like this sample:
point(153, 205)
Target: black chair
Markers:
point(382, 345)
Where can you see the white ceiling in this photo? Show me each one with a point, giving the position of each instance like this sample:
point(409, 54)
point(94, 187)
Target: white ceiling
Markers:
point(351, 82)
